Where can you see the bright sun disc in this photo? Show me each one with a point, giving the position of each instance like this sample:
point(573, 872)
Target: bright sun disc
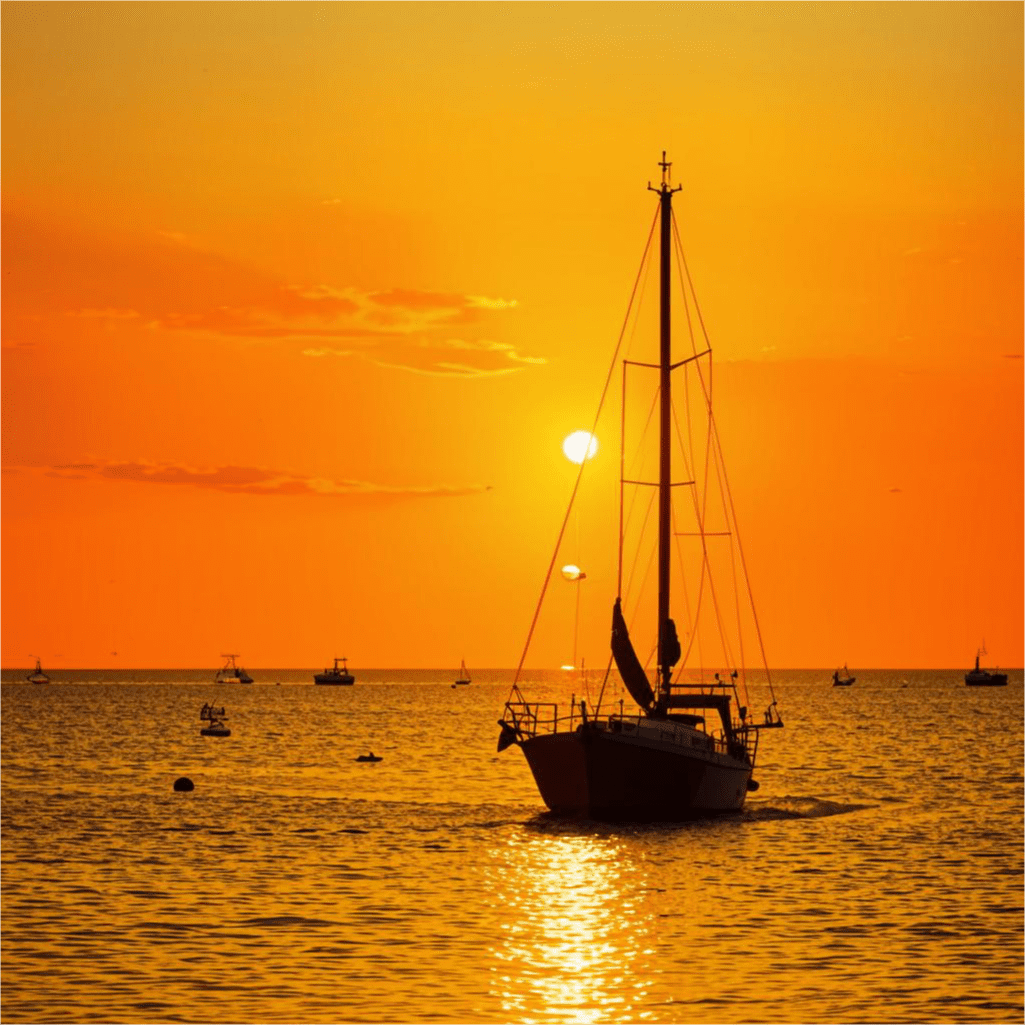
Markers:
point(580, 445)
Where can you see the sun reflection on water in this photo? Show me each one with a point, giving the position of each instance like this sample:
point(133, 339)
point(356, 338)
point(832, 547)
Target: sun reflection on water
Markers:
point(576, 935)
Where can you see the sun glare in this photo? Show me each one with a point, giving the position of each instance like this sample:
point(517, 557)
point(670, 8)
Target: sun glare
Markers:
point(580, 445)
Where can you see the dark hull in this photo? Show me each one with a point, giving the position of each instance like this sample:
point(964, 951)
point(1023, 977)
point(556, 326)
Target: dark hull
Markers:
point(600, 775)
point(334, 681)
point(987, 680)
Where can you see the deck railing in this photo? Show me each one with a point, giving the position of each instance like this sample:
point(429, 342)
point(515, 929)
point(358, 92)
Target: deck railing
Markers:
point(531, 719)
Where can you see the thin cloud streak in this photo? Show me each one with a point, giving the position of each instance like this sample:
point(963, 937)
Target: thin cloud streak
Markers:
point(245, 480)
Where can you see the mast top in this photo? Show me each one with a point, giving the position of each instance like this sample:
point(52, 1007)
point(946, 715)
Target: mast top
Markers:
point(666, 187)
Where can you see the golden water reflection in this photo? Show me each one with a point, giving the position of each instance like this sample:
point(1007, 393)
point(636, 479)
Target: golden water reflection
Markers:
point(577, 934)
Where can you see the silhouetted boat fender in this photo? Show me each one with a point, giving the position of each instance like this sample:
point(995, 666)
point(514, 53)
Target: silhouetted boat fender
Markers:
point(370, 758)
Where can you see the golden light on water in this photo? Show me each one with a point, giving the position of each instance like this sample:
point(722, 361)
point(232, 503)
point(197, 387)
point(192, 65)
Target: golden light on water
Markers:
point(577, 939)
point(580, 445)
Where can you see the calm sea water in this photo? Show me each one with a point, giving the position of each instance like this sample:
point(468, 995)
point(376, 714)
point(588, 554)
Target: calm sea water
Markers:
point(876, 876)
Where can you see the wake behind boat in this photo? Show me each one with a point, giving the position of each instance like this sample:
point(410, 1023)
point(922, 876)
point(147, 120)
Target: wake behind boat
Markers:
point(37, 675)
point(665, 763)
point(230, 672)
point(339, 677)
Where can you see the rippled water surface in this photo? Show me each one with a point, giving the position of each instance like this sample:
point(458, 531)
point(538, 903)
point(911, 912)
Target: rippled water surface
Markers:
point(875, 876)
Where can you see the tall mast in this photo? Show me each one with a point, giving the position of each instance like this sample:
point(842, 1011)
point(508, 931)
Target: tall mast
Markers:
point(666, 631)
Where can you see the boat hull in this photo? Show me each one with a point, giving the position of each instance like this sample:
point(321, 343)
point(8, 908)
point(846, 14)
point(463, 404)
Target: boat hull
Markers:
point(331, 680)
point(601, 775)
point(986, 680)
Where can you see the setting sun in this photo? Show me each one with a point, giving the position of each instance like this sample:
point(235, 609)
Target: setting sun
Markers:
point(580, 445)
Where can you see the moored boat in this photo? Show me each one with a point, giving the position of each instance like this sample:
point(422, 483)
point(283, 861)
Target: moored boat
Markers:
point(338, 677)
point(664, 762)
point(984, 677)
point(214, 718)
point(37, 675)
point(463, 679)
point(231, 672)
point(843, 681)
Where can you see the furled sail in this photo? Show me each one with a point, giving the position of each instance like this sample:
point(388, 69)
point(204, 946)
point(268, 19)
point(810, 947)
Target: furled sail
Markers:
point(627, 662)
point(670, 653)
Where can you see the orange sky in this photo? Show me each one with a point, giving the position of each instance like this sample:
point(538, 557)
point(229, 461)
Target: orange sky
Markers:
point(301, 299)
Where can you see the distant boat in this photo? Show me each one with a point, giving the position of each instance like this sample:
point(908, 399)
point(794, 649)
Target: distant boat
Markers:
point(369, 758)
point(215, 717)
point(232, 673)
point(983, 677)
point(38, 676)
point(338, 677)
point(843, 681)
point(464, 679)
point(665, 763)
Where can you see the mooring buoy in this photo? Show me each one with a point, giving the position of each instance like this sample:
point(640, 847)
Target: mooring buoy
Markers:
point(183, 784)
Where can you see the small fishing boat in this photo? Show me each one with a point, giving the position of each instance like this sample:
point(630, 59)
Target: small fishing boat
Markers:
point(37, 675)
point(663, 763)
point(983, 677)
point(371, 757)
point(843, 681)
point(338, 677)
point(214, 717)
point(230, 672)
point(463, 680)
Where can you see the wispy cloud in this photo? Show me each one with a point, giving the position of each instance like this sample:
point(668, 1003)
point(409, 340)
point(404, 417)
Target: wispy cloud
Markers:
point(246, 480)
point(166, 282)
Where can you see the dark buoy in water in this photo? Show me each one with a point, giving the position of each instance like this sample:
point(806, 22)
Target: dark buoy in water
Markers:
point(183, 784)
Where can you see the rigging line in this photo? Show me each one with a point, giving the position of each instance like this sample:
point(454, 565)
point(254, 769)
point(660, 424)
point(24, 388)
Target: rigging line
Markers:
point(700, 512)
point(743, 563)
point(633, 465)
point(710, 452)
point(622, 474)
point(720, 471)
point(683, 292)
point(682, 262)
point(691, 620)
point(580, 473)
point(708, 397)
point(601, 693)
point(637, 553)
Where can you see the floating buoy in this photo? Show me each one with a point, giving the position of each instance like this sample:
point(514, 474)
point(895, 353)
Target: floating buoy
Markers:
point(183, 784)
